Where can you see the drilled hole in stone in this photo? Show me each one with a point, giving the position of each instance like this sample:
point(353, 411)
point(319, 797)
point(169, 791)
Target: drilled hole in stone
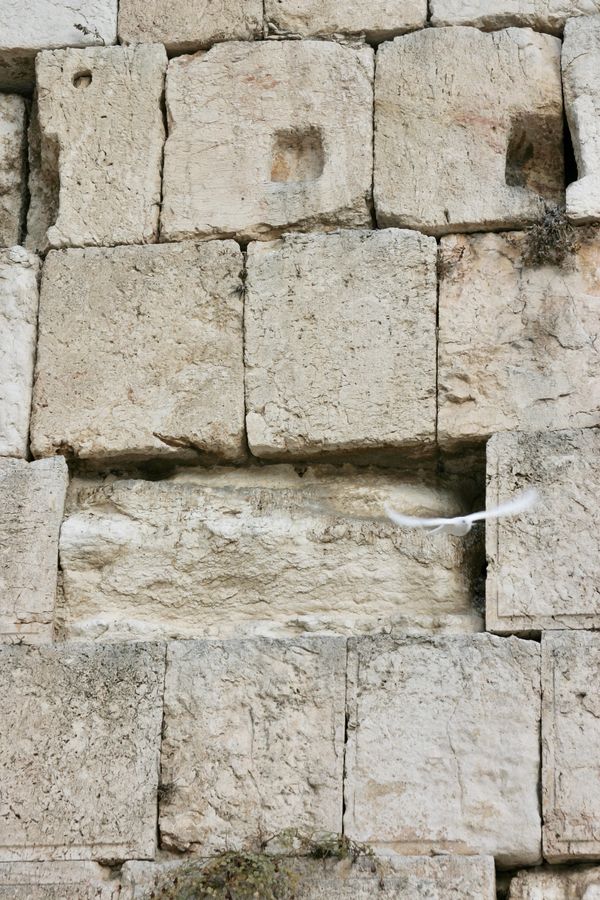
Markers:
point(534, 156)
point(297, 156)
point(82, 79)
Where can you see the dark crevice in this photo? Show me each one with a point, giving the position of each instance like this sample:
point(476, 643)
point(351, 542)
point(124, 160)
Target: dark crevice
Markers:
point(165, 118)
point(571, 173)
point(346, 730)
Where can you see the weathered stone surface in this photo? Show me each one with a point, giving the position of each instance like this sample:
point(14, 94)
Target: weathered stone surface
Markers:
point(443, 747)
point(517, 344)
point(184, 26)
point(18, 315)
point(249, 756)
point(79, 750)
point(96, 164)
point(379, 20)
point(468, 129)
point(57, 881)
point(12, 167)
point(32, 497)
point(580, 65)
point(579, 883)
point(140, 353)
point(570, 740)
point(543, 15)
point(539, 575)
point(271, 551)
point(268, 136)
point(340, 343)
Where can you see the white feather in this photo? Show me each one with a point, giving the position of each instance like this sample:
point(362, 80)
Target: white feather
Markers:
point(461, 525)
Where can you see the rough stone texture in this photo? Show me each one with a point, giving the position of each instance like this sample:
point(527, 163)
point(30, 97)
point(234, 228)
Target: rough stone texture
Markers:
point(581, 883)
point(184, 26)
point(82, 783)
point(140, 353)
point(340, 343)
point(269, 551)
point(246, 757)
point(267, 137)
point(580, 65)
point(57, 881)
point(539, 574)
point(543, 15)
point(32, 497)
point(12, 167)
point(443, 746)
point(19, 272)
point(518, 345)
point(468, 129)
point(379, 20)
point(96, 162)
point(570, 740)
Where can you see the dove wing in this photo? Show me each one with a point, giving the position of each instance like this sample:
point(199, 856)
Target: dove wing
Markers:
point(413, 521)
point(518, 504)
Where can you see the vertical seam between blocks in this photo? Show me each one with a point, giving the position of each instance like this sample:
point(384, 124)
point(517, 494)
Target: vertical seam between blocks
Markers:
point(345, 747)
point(160, 747)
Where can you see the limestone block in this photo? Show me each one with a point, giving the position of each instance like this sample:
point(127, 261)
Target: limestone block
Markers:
point(443, 746)
point(517, 344)
point(19, 272)
point(184, 26)
point(378, 20)
point(578, 883)
point(140, 353)
point(539, 574)
point(468, 129)
point(32, 498)
point(340, 343)
point(254, 740)
point(543, 15)
point(57, 881)
point(271, 551)
point(12, 167)
point(570, 739)
point(266, 137)
point(96, 162)
point(580, 64)
point(79, 751)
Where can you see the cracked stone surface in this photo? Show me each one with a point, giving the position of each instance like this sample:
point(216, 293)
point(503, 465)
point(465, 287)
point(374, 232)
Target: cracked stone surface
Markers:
point(32, 498)
point(97, 146)
point(538, 575)
point(140, 353)
point(246, 757)
point(518, 345)
point(443, 746)
point(379, 20)
point(263, 138)
point(578, 883)
point(82, 784)
point(340, 343)
point(543, 15)
point(468, 129)
point(271, 551)
point(57, 881)
point(12, 167)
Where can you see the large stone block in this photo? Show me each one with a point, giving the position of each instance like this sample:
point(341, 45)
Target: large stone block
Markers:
point(268, 136)
point(578, 883)
point(543, 15)
point(341, 343)
point(184, 26)
point(79, 751)
point(271, 551)
point(19, 272)
point(378, 20)
point(140, 353)
point(517, 343)
point(97, 144)
point(12, 168)
point(570, 740)
point(443, 746)
point(57, 881)
point(539, 574)
point(254, 740)
point(32, 497)
point(468, 129)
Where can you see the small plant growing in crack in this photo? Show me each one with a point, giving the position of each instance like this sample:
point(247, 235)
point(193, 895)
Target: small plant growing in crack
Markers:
point(90, 32)
point(550, 241)
point(230, 876)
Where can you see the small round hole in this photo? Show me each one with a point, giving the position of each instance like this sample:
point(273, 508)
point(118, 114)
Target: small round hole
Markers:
point(82, 79)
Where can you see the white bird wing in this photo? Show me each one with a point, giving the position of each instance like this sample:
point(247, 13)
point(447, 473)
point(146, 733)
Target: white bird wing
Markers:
point(414, 522)
point(518, 504)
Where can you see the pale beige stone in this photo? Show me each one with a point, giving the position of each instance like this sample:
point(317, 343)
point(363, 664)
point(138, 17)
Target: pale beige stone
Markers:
point(140, 353)
point(79, 751)
point(443, 746)
point(378, 20)
point(468, 129)
point(550, 883)
point(268, 136)
point(580, 66)
point(254, 740)
point(32, 498)
point(96, 178)
point(272, 551)
point(184, 26)
point(19, 298)
point(544, 566)
point(12, 167)
point(543, 15)
point(517, 343)
point(57, 881)
point(340, 343)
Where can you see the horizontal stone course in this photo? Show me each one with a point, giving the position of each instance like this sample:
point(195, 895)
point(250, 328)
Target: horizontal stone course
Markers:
point(185, 26)
point(57, 881)
point(543, 15)
point(552, 883)
point(378, 20)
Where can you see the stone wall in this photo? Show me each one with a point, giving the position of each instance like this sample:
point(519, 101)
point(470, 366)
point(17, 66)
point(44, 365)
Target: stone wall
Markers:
point(266, 267)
